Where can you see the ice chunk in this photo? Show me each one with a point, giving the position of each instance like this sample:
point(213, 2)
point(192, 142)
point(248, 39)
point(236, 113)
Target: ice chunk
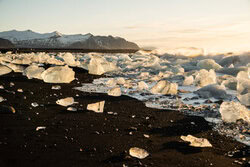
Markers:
point(205, 77)
point(164, 87)
point(58, 74)
point(14, 67)
point(231, 83)
point(115, 92)
point(243, 84)
point(111, 82)
point(34, 104)
point(208, 64)
point(96, 107)
point(71, 109)
point(34, 71)
point(196, 142)
point(56, 87)
point(232, 71)
point(1, 99)
point(4, 70)
point(232, 111)
point(138, 153)
point(99, 66)
point(120, 81)
point(189, 80)
point(40, 128)
point(244, 99)
point(213, 90)
point(142, 85)
point(69, 59)
point(66, 101)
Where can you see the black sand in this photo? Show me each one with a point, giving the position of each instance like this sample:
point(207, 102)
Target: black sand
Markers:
point(85, 138)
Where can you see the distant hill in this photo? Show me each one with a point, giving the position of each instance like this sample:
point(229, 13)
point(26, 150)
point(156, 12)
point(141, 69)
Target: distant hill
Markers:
point(30, 39)
point(4, 43)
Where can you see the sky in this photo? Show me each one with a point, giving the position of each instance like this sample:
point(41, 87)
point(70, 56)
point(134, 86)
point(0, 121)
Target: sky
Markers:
point(214, 25)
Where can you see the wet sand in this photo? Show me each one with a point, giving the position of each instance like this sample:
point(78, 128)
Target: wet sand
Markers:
point(85, 138)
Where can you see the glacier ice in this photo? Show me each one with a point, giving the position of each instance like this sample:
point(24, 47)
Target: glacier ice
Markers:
point(208, 64)
point(66, 101)
point(233, 111)
point(114, 91)
point(213, 90)
point(96, 107)
point(34, 71)
point(188, 80)
point(164, 87)
point(244, 99)
point(4, 70)
point(58, 74)
point(196, 142)
point(138, 153)
point(205, 77)
point(142, 85)
point(98, 66)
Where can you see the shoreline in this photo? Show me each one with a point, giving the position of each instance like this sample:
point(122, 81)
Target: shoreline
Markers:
point(85, 138)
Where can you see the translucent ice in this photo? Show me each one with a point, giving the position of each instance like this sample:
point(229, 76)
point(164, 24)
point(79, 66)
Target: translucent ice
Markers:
point(58, 74)
point(208, 64)
point(98, 66)
point(4, 70)
point(34, 71)
point(232, 111)
point(205, 77)
point(164, 87)
point(213, 90)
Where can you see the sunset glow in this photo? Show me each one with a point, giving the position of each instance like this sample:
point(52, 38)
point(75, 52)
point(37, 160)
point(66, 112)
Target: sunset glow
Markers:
point(215, 26)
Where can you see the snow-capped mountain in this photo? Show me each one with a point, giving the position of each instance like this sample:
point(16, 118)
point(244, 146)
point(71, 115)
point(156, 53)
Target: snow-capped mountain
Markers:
point(30, 39)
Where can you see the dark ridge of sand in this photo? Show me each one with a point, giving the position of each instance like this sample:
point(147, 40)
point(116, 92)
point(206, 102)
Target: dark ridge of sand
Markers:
point(85, 138)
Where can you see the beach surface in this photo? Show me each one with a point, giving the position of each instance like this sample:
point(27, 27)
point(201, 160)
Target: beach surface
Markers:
point(86, 138)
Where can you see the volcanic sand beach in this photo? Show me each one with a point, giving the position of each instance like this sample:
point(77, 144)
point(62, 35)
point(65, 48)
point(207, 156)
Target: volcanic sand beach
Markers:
point(86, 138)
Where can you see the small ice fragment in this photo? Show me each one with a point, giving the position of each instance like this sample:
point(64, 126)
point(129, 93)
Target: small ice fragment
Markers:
point(56, 87)
point(1, 99)
point(142, 85)
point(196, 142)
point(40, 128)
point(71, 109)
point(66, 101)
point(189, 80)
point(96, 107)
point(138, 153)
point(121, 81)
point(35, 104)
point(115, 92)
point(19, 90)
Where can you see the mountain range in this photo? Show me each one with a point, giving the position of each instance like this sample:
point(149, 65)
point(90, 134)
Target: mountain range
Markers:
point(31, 39)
